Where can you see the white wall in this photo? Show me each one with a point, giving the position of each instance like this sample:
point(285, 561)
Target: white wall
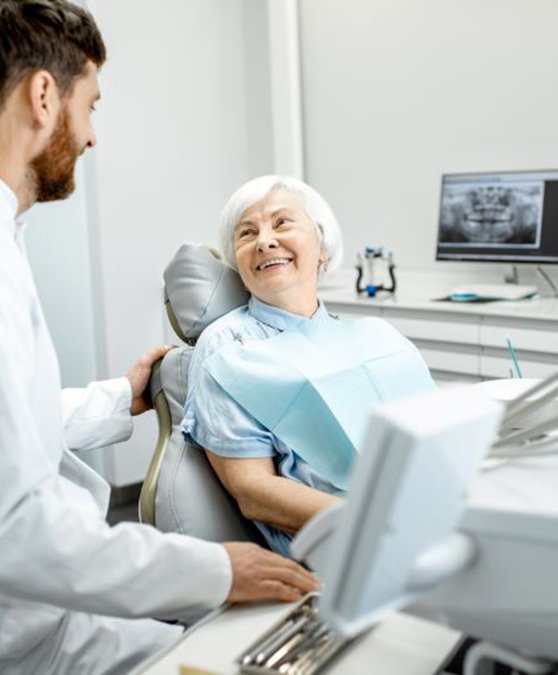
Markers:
point(57, 243)
point(59, 240)
point(397, 92)
point(182, 122)
point(185, 118)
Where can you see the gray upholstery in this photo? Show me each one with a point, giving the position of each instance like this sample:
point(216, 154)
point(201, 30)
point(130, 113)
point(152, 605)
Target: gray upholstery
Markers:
point(199, 288)
point(181, 493)
point(189, 497)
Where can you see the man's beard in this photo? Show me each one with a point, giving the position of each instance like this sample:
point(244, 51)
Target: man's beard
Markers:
point(53, 169)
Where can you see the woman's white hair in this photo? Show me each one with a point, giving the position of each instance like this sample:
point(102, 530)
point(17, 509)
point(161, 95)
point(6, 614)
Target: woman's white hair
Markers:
point(315, 205)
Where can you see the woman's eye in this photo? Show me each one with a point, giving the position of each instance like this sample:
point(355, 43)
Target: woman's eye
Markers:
point(244, 233)
point(281, 221)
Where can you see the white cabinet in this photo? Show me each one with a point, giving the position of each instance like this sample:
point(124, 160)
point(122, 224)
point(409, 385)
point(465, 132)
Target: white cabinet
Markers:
point(536, 336)
point(535, 342)
point(425, 325)
point(467, 343)
point(497, 366)
point(451, 359)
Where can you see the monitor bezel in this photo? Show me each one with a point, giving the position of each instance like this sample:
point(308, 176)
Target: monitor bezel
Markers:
point(487, 258)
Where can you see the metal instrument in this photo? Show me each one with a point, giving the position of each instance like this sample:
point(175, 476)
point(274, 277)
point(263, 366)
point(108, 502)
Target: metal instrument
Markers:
point(300, 644)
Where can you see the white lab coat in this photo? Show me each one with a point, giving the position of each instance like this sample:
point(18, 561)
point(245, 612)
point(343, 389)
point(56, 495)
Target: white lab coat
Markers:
point(61, 565)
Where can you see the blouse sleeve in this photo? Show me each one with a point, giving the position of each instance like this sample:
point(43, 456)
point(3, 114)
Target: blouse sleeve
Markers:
point(215, 421)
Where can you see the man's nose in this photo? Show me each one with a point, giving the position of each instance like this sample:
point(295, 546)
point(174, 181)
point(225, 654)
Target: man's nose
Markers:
point(91, 139)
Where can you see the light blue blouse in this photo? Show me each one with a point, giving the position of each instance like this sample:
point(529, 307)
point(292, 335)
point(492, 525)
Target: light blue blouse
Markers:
point(213, 420)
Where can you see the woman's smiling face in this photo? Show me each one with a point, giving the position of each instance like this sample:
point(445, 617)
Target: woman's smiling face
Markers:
point(278, 252)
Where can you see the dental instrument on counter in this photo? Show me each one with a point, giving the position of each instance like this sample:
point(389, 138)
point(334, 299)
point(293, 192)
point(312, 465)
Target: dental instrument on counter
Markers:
point(514, 357)
point(367, 280)
point(300, 644)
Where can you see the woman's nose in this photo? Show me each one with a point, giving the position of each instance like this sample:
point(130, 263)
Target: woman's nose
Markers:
point(266, 240)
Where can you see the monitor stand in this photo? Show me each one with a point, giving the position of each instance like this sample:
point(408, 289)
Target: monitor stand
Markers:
point(513, 278)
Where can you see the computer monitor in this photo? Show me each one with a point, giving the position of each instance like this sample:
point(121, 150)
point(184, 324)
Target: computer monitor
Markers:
point(407, 494)
point(508, 217)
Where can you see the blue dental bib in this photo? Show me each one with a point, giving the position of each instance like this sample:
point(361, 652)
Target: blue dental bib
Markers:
point(314, 385)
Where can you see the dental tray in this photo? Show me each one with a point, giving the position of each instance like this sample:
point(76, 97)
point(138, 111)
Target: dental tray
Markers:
point(299, 643)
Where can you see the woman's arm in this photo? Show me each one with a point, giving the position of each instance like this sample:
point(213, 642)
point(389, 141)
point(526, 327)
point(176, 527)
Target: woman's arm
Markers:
point(264, 496)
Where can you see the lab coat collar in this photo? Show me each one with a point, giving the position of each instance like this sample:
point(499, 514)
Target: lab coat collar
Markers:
point(281, 319)
point(8, 210)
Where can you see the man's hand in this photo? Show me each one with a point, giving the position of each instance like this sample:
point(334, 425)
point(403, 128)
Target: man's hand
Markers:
point(262, 575)
point(139, 377)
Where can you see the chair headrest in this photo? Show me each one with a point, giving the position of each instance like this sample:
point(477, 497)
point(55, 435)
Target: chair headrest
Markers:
point(199, 288)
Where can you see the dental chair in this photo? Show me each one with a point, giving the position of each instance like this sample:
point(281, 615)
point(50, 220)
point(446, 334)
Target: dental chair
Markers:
point(181, 493)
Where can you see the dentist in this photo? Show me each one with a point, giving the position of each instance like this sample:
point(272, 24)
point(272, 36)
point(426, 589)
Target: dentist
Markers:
point(75, 593)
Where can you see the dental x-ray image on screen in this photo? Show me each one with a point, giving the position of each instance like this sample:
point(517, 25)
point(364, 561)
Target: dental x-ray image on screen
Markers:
point(492, 213)
point(510, 216)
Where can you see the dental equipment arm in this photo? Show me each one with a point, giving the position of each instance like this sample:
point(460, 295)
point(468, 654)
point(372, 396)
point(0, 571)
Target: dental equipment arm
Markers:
point(531, 421)
point(396, 535)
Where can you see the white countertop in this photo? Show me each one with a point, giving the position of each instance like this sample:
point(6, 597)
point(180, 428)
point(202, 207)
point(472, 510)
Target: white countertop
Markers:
point(400, 645)
point(419, 291)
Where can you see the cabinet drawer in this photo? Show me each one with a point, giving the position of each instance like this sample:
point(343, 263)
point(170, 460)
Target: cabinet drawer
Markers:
point(466, 363)
point(461, 332)
point(498, 367)
point(536, 339)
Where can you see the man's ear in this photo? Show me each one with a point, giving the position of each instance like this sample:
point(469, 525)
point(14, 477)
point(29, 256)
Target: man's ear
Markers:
point(44, 99)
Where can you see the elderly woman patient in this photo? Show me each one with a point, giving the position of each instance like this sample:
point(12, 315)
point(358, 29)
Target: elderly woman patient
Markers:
point(280, 390)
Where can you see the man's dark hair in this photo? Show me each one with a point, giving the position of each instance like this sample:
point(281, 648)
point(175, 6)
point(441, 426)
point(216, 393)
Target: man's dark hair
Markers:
point(53, 35)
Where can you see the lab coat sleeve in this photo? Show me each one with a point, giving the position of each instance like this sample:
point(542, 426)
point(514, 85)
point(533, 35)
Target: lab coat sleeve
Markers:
point(55, 546)
point(62, 553)
point(97, 415)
